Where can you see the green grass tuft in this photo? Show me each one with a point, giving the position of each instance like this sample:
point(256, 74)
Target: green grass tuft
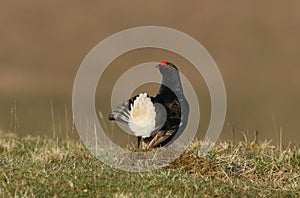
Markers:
point(38, 167)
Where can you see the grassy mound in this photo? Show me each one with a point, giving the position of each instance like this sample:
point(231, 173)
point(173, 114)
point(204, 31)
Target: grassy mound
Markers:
point(36, 167)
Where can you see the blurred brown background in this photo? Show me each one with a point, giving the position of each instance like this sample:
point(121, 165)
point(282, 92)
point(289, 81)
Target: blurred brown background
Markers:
point(254, 43)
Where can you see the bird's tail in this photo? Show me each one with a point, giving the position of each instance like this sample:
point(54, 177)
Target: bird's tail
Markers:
point(121, 113)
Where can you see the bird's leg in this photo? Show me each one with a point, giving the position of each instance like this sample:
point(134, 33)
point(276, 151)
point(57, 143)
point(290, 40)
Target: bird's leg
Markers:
point(139, 139)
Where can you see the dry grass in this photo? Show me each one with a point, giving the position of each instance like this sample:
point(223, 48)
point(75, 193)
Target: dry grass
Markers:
point(35, 167)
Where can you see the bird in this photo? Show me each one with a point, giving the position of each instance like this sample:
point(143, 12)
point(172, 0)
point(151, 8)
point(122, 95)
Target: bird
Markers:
point(156, 121)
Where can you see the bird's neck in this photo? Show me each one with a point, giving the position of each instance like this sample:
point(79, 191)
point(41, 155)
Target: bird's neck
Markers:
point(171, 83)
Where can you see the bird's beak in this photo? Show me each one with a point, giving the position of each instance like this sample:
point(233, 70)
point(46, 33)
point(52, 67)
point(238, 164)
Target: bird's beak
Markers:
point(157, 66)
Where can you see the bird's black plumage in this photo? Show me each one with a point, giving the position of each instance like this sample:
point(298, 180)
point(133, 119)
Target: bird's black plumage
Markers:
point(171, 109)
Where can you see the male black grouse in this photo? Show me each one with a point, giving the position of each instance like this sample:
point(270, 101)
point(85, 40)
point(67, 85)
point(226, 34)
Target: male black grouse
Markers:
point(159, 120)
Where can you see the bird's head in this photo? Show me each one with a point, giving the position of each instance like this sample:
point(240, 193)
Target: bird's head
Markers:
point(166, 67)
point(170, 74)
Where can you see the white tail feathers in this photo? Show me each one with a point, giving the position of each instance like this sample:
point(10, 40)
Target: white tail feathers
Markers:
point(142, 116)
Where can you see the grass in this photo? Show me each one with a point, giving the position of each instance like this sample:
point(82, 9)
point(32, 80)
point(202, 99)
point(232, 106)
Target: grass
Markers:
point(41, 167)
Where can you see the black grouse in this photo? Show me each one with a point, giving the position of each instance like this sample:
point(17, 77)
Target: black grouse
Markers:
point(156, 121)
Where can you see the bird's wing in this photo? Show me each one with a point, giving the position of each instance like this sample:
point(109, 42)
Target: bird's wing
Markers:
point(174, 126)
point(161, 115)
point(160, 137)
point(183, 118)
